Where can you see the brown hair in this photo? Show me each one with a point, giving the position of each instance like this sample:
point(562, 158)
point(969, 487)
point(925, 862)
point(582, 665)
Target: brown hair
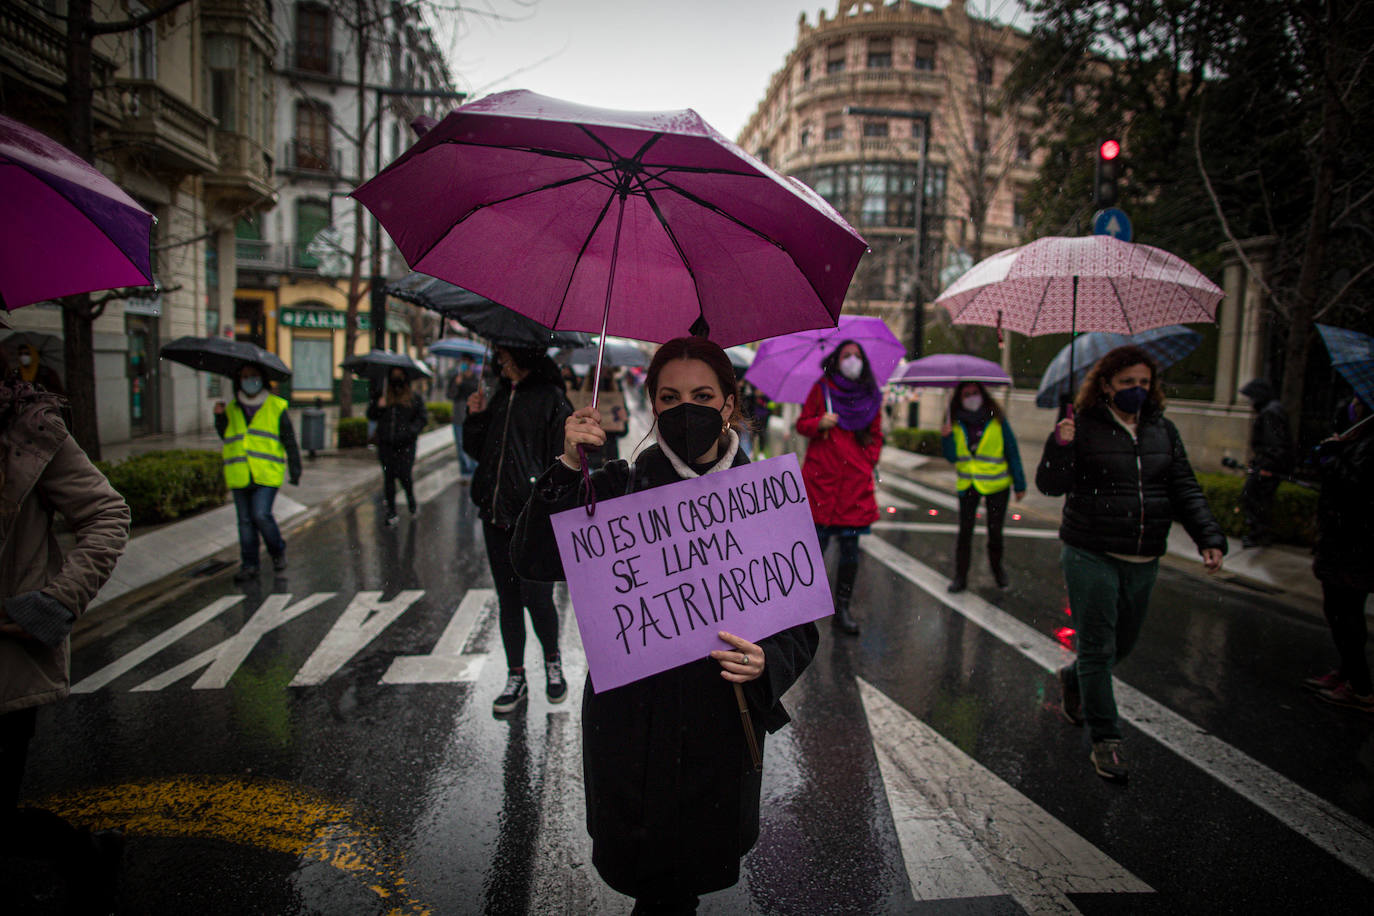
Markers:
point(988, 399)
point(1108, 366)
point(699, 348)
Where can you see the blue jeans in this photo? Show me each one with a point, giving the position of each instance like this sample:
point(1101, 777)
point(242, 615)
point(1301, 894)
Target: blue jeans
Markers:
point(466, 463)
point(254, 505)
point(1108, 598)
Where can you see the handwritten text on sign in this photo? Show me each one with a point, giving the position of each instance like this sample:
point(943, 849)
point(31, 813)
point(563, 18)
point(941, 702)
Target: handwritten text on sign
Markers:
point(655, 575)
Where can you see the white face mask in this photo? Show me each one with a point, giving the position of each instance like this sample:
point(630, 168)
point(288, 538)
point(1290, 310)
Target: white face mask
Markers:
point(25, 359)
point(851, 367)
point(972, 402)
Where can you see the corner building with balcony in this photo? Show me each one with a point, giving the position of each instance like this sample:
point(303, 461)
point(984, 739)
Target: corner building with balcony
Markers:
point(846, 114)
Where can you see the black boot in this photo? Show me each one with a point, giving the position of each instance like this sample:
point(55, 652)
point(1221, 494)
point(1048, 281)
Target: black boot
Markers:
point(844, 590)
point(962, 554)
point(999, 572)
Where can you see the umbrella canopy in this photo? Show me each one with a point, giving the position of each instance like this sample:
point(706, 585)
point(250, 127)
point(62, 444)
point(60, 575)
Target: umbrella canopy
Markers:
point(225, 356)
point(47, 347)
point(1060, 285)
point(381, 362)
point(64, 227)
point(1352, 355)
point(502, 326)
point(1166, 345)
point(641, 224)
point(741, 357)
point(786, 367)
point(458, 348)
point(946, 370)
point(616, 353)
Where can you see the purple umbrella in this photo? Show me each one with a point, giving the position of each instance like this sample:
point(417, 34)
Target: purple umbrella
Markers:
point(64, 227)
point(945, 370)
point(786, 367)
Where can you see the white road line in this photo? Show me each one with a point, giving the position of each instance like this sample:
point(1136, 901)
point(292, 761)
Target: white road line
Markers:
point(965, 832)
point(365, 617)
point(888, 498)
point(1047, 534)
point(1341, 834)
point(447, 663)
point(133, 659)
point(921, 491)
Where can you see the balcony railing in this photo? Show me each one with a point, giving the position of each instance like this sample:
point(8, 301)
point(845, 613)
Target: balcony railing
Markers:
point(258, 256)
point(38, 50)
point(312, 60)
point(180, 134)
point(299, 156)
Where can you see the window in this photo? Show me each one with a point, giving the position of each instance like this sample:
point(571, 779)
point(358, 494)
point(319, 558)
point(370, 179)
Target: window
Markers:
point(985, 71)
point(311, 360)
point(834, 126)
point(1018, 211)
point(882, 193)
point(875, 129)
point(806, 72)
point(834, 58)
point(925, 55)
point(980, 138)
point(222, 98)
point(804, 138)
point(936, 179)
point(311, 217)
point(1023, 147)
point(880, 54)
point(312, 135)
point(312, 38)
point(142, 47)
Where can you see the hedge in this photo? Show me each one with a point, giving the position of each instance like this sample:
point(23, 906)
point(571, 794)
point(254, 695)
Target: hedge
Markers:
point(1295, 508)
point(440, 413)
point(161, 486)
point(352, 432)
point(920, 441)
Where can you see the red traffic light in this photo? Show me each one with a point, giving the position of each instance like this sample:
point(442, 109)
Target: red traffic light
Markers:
point(1109, 150)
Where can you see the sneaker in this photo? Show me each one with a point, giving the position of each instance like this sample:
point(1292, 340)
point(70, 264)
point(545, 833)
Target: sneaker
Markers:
point(279, 562)
point(558, 686)
point(1000, 576)
point(1071, 701)
point(1108, 760)
point(516, 692)
point(414, 509)
point(1328, 681)
point(956, 586)
point(1345, 695)
point(392, 521)
point(246, 573)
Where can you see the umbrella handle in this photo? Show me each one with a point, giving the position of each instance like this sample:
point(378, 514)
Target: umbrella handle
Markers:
point(587, 480)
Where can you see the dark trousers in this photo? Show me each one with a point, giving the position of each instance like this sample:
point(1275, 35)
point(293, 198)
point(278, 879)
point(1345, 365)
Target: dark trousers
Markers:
point(1108, 598)
point(514, 594)
point(254, 506)
point(1343, 606)
point(848, 570)
point(32, 833)
point(398, 464)
point(1257, 502)
point(968, 515)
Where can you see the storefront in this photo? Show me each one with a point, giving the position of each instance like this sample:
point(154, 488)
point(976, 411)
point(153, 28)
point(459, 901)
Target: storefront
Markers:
point(310, 339)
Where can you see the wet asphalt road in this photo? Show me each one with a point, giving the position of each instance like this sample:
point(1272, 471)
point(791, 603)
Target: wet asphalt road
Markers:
point(274, 765)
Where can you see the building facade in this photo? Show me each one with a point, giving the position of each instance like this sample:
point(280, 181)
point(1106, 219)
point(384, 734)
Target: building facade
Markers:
point(896, 114)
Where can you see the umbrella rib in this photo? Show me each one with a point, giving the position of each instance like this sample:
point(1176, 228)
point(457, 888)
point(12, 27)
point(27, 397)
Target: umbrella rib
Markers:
point(1044, 292)
point(677, 246)
point(563, 299)
point(1111, 281)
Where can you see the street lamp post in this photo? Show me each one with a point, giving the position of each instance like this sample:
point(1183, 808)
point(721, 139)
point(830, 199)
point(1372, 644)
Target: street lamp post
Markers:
point(376, 285)
point(917, 229)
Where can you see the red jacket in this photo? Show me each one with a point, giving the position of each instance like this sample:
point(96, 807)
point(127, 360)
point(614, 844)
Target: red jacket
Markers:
point(838, 472)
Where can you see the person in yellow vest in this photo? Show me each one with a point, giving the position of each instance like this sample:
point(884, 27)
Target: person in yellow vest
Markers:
point(978, 440)
point(260, 453)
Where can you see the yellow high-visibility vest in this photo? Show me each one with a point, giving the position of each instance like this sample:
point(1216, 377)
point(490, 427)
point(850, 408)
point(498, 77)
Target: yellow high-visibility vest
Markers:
point(987, 469)
point(253, 452)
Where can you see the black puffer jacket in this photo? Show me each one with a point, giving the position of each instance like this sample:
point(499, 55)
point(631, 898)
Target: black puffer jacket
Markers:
point(1123, 493)
point(399, 425)
point(1345, 511)
point(514, 441)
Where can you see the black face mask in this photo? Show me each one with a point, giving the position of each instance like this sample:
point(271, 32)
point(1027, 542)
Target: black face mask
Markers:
point(689, 430)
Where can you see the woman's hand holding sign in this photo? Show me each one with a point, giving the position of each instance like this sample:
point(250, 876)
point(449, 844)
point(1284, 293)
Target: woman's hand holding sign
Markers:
point(741, 664)
point(582, 428)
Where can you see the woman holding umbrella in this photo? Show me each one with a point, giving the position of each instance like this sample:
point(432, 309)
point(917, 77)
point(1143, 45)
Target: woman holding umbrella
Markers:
point(842, 418)
point(400, 415)
point(1126, 475)
point(672, 788)
point(514, 438)
point(978, 441)
point(260, 453)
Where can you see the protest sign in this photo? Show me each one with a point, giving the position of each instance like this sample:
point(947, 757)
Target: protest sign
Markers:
point(655, 575)
point(614, 415)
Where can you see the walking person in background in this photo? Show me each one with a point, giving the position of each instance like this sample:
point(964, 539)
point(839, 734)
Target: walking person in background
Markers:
point(1344, 555)
point(978, 441)
point(42, 591)
point(400, 415)
point(673, 793)
point(612, 409)
point(1271, 457)
point(1126, 476)
point(842, 418)
point(515, 438)
point(461, 387)
point(260, 453)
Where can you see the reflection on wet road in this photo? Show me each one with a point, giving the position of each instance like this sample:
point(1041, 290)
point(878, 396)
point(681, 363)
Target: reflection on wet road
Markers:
point(325, 745)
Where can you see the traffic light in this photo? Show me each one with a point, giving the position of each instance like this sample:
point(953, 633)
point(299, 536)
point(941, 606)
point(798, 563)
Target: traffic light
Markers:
point(1107, 173)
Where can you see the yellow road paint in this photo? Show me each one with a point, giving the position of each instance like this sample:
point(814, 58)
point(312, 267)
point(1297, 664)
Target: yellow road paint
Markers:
point(262, 814)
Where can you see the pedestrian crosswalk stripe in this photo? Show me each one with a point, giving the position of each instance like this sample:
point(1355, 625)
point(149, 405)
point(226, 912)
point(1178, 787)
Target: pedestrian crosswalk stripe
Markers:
point(447, 663)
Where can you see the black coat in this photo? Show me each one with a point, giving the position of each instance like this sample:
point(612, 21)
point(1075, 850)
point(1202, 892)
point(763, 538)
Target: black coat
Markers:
point(672, 795)
point(399, 425)
point(1123, 493)
point(1345, 511)
point(514, 441)
point(1271, 442)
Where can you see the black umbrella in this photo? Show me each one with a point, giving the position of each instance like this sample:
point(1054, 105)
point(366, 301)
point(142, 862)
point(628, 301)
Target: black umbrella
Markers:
point(224, 356)
point(502, 326)
point(381, 362)
point(617, 354)
point(47, 346)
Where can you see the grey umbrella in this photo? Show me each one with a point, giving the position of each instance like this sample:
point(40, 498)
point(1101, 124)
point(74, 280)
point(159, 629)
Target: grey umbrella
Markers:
point(225, 356)
point(381, 362)
point(502, 326)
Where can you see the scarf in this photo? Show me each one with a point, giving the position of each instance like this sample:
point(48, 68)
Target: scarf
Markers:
point(686, 473)
point(855, 403)
point(975, 421)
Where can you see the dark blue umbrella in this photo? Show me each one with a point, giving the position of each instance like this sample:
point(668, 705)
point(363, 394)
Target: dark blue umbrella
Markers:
point(458, 348)
point(1352, 355)
point(1166, 346)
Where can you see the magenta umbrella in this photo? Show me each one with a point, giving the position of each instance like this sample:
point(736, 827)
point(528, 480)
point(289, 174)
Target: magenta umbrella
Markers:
point(786, 367)
point(64, 227)
point(946, 370)
point(647, 225)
